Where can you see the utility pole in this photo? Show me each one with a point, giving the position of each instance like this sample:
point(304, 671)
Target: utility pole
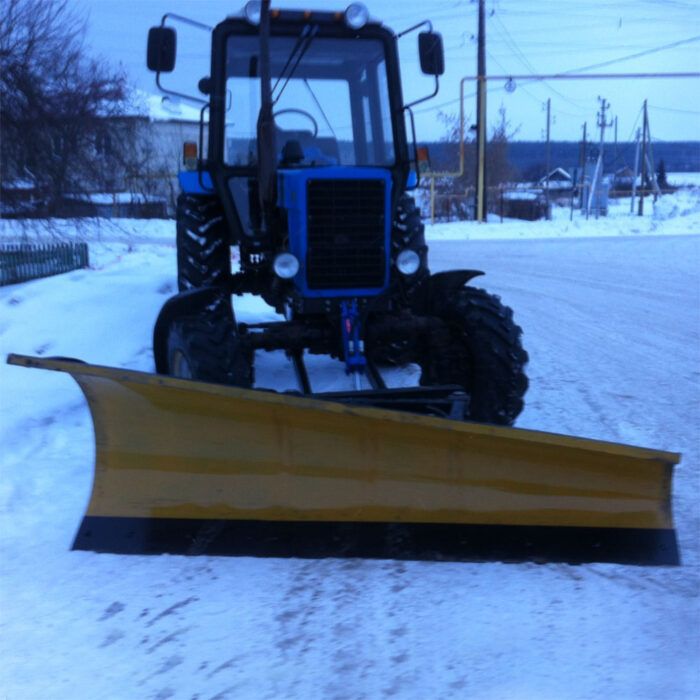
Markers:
point(636, 171)
point(615, 151)
point(650, 159)
point(597, 179)
point(481, 118)
point(645, 128)
point(603, 124)
point(582, 179)
point(548, 166)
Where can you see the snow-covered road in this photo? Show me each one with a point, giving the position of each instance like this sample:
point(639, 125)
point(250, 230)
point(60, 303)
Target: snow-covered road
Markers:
point(612, 325)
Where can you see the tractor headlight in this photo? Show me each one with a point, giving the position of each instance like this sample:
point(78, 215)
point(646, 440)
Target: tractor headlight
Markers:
point(286, 266)
point(408, 262)
point(356, 15)
point(252, 11)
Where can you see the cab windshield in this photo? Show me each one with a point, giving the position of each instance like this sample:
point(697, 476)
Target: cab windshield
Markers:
point(333, 110)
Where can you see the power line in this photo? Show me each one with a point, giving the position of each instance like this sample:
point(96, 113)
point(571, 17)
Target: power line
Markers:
point(635, 55)
point(574, 71)
point(529, 65)
point(672, 109)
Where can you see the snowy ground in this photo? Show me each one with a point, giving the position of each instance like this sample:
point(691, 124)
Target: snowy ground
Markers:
point(611, 318)
point(683, 179)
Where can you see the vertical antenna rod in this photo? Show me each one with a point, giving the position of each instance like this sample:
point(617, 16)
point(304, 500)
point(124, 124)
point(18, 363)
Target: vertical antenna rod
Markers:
point(267, 149)
point(481, 120)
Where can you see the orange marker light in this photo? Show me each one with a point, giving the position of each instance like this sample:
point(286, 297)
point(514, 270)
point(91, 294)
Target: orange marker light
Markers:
point(189, 155)
point(189, 150)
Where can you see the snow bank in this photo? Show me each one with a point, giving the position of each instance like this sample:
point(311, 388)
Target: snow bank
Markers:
point(683, 179)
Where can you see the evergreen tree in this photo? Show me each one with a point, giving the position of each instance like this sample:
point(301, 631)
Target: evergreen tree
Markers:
point(661, 175)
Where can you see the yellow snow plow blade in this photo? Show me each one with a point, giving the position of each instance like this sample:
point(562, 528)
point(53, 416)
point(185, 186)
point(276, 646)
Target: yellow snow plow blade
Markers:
point(189, 467)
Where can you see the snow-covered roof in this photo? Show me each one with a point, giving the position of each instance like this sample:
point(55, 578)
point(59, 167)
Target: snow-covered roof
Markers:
point(112, 198)
point(163, 108)
point(521, 195)
point(558, 174)
point(157, 108)
point(18, 184)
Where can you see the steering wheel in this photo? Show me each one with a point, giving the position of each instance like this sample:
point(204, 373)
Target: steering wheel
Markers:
point(293, 110)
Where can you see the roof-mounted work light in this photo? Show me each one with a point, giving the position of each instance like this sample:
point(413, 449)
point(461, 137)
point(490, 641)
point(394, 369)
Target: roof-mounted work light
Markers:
point(252, 11)
point(356, 15)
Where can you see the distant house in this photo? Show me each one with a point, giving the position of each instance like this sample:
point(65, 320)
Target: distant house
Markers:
point(141, 151)
point(123, 205)
point(171, 124)
point(559, 180)
point(18, 196)
point(523, 202)
point(623, 179)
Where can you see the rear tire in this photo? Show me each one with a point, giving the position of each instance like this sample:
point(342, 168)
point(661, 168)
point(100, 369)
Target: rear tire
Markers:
point(480, 349)
point(207, 348)
point(203, 251)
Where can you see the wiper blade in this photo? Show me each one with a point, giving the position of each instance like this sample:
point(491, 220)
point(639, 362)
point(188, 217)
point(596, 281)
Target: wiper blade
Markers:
point(301, 47)
point(318, 104)
point(300, 40)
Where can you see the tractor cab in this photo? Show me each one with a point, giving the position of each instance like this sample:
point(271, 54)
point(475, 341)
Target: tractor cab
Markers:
point(338, 141)
point(332, 82)
point(330, 96)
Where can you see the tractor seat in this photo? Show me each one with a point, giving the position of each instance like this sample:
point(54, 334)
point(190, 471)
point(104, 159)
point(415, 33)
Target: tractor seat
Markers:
point(314, 151)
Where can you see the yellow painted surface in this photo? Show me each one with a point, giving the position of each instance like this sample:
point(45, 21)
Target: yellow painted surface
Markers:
point(173, 448)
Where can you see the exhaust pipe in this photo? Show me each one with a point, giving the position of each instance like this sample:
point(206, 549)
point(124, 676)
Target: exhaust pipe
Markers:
point(267, 149)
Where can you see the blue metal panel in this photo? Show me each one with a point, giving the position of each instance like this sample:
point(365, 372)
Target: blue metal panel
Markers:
point(292, 198)
point(190, 182)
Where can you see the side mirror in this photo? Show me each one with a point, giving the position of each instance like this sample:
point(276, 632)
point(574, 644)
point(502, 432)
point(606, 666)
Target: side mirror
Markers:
point(161, 49)
point(432, 57)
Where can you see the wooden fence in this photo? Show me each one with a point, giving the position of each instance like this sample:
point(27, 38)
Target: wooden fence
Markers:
point(20, 262)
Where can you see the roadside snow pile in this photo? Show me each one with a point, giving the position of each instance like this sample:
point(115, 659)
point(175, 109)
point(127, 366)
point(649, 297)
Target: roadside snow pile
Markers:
point(680, 211)
point(682, 203)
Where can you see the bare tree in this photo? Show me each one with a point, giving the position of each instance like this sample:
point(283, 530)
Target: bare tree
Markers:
point(56, 101)
point(455, 194)
point(499, 169)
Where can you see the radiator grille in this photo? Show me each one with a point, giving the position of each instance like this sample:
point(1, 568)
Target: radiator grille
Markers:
point(346, 234)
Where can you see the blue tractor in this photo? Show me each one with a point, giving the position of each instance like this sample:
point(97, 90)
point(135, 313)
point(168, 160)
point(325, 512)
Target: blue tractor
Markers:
point(307, 170)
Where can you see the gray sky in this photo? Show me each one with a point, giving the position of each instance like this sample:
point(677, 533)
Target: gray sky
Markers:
point(522, 37)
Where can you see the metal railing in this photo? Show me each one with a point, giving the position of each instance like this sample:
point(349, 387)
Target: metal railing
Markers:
point(21, 262)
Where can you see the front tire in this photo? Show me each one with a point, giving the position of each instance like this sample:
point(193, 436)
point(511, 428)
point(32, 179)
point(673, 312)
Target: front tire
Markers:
point(480, 349)
point(203, 251)
point(207, 348)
